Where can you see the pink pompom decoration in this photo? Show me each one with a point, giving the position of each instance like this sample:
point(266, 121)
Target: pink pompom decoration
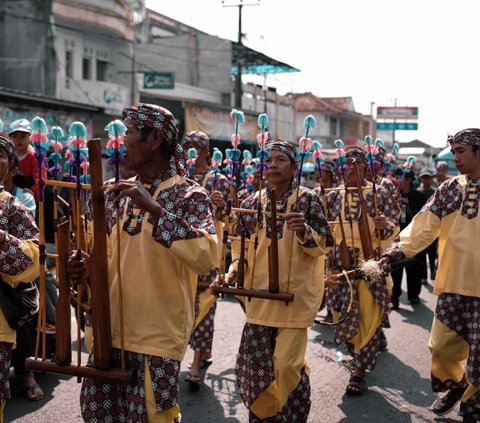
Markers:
point(262, 140)
point(115, 143)
point(317, 154)
point(340, 152)
point(85, 166)
point(68, 155)
point(250, 178)
point(235, 140)
point(57, 146)
point(78, 143)
point(246, 162)
point(305, 144)
point(228, 162)
point(38, 138)
point(370, 149)
point(390, 157)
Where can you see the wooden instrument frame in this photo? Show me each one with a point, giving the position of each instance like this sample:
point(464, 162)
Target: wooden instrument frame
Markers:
point(100, 303)
point(273, 292)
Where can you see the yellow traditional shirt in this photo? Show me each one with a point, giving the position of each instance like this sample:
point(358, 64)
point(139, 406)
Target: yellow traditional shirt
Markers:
point(307, 260)
point(161, 259)
point(451, 214)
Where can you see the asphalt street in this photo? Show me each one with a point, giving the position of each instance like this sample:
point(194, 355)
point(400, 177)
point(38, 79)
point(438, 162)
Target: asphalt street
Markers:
point(398, 390)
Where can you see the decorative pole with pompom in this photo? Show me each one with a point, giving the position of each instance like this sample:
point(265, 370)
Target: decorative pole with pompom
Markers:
point(305, 144)
point(342, 169)
point(116, 153)
point(41, 146)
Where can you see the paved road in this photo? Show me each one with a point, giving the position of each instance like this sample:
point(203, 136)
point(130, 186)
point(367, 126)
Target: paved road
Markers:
point(399, 390)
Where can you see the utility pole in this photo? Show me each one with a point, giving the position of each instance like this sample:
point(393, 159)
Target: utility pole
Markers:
point(133, 78)
point(394, 123)
point(238, 79)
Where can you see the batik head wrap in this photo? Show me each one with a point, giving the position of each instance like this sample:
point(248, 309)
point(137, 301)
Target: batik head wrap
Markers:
point(156, 117)
point(356, 152)
point(198, 139)
point(7, 145)
point(329, 166)
point(284, 147)
point(470, 136)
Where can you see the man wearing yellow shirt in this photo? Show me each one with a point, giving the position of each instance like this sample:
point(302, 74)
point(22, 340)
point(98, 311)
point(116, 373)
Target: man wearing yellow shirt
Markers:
point(272, 375)
point(167, 238)
point(452, 215)
point(19, 258)
point(359, 321)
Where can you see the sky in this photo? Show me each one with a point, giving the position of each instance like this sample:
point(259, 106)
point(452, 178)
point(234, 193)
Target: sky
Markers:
point(413, 52)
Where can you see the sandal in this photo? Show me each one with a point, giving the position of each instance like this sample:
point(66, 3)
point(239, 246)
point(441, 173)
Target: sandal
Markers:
point(356, 386)
point(194, 379)
point(34, 392)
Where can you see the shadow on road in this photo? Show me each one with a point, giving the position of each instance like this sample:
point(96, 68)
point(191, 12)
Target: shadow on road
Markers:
point(19, 406)
point(372, 407)
point(200, 404)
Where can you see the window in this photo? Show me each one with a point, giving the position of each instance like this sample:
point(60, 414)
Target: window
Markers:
point(87, 68)
point(102, 68)
point(69, 64)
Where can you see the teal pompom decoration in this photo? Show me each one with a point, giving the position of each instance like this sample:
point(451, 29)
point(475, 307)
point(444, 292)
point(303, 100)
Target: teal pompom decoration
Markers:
point(263, 121)
point(56, 133)
point(339, 144)
point(316, 145)
point(379, 142)
point(247, 155)
point(217, 155)
point(116, 128)
point(39, 126)
point(368, 140)
point(395, 148)
point(192, 153)
point(77, 130)
point(309, 123)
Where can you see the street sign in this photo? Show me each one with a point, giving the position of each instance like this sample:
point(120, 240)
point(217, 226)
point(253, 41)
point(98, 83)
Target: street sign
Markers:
point(397, 112)
point(159, 80)
point(397, 126)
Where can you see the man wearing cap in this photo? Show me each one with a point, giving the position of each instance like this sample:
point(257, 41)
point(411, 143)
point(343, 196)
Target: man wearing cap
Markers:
point(272, 376)
point(205, 303)
point(19, 132)
point(452, 215)
point(167, 238)
point(19, 258)
point(360, 327)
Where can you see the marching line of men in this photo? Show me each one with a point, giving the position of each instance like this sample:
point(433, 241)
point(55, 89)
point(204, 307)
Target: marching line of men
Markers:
point(170, 235)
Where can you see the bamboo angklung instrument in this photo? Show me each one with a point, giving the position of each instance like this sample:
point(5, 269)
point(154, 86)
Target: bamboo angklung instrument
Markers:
point(102, 344)
point(363, 226)
point(371, 152)
point(273, 285)
point(273, 292)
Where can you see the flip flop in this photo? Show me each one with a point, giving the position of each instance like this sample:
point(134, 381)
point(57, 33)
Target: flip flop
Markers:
point(194, 379)
point(356, 386)
point(34, 392)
